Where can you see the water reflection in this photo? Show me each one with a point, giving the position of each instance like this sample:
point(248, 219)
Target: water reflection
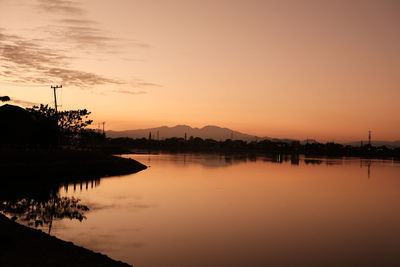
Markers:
point(229, 160)
point(82, 185)
point(39, 206)
point(368, 164)
point(41, 214)
point(275, 210)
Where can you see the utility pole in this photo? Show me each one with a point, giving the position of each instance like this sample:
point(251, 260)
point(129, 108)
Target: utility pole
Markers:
point(59, 135)
point(55, 95)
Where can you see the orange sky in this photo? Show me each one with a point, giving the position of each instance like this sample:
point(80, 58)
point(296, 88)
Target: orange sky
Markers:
point(320, 69)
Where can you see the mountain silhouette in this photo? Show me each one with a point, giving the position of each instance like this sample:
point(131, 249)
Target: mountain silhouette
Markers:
point(219, 134)
point(207, 132)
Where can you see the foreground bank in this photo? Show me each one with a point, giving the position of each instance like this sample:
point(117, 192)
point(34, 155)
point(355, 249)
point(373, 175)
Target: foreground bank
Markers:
point(23, 246)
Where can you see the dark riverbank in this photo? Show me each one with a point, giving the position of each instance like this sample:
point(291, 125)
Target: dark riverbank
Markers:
point(62, 165)
point(23, 246)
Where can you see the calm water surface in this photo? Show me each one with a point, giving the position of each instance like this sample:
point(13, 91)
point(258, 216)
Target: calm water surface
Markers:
point(212, 210)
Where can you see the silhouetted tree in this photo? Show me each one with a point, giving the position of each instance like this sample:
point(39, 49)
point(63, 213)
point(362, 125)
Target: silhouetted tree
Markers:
point(295, 148)
point(4, 98)
point(70, 123)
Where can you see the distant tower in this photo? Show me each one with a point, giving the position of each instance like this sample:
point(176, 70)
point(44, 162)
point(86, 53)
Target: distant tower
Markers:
point(149, 135)
point(369, 137)
point(104, 128)
point(185, 136)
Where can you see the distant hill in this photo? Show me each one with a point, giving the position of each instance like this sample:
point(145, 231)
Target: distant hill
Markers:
point(207, 132)
point(218, 133)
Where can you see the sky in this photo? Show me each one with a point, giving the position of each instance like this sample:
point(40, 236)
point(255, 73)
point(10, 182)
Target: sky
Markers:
point(322, 69)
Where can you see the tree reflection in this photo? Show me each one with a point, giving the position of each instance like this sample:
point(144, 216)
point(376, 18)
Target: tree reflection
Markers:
point(42, 213)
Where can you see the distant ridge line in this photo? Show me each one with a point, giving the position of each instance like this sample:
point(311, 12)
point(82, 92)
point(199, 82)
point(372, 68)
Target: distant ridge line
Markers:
point(219, 134)
point(206, 132)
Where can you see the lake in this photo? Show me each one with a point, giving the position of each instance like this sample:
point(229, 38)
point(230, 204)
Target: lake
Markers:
point(198, 210)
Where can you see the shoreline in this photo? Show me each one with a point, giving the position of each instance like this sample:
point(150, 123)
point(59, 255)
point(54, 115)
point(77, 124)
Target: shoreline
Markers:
point(29, 172)
point(24, 246)
point(260, 154)
point(63, 165)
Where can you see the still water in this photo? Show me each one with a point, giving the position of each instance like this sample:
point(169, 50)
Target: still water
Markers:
point(211, 210)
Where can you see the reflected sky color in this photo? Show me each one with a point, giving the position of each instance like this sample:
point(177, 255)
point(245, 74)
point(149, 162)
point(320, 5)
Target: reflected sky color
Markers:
point(296, 69)
point(211, 210)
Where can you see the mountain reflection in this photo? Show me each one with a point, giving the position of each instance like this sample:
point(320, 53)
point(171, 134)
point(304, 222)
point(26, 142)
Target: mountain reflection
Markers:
point(230, 159)
point(224, 160)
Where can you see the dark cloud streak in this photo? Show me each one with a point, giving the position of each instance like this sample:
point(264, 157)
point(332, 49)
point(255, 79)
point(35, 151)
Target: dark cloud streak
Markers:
point(39, 61)
point(77, 21)
point(60, 6)
point(79, 31)
point(130, 92)
point(30, 62)
point(149, 84)
point(24, 103)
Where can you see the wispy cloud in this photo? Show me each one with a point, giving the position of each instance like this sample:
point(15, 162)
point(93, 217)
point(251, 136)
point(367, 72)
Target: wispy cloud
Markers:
point(61, 6)
point(26, 61)
point(24, 103)
point(48, 60)
point(137, 83)
point(77, 21)
point(79, 78)
point(130, 92)
point(149, 84)
point(81, 32)
point(84, 36)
